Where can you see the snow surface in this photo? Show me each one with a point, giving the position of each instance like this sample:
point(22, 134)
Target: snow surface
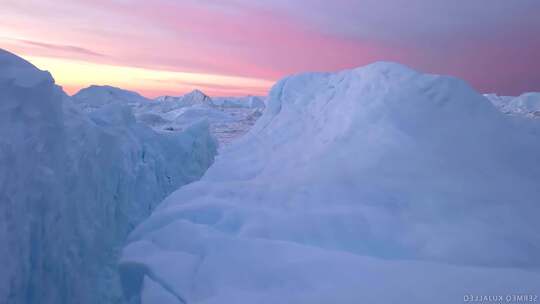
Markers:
point(374, 185)
point(527, 104)
point(74, 184)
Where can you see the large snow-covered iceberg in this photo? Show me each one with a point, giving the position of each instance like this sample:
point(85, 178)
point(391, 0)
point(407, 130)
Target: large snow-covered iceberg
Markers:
point(74, 184)
point(374, 185)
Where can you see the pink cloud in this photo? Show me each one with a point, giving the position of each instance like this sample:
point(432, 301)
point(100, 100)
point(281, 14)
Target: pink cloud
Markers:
point(267, 40)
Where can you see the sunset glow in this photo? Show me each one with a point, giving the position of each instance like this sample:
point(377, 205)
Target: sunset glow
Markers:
point(242, 47)
point(78, 74)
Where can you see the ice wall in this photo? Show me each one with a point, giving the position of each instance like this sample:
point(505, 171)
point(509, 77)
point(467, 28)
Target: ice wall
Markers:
point(73, 185)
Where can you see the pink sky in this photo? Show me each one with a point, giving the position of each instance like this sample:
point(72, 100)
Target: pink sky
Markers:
point(241, 47)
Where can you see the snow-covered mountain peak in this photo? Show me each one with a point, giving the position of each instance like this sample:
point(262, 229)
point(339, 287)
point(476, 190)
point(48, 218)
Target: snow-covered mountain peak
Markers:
point(20, 71)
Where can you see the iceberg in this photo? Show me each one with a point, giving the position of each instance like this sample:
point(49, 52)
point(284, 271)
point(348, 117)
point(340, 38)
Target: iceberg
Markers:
point(195, 97)
point(74, 184)
point(94, 97)
point(228, 118)
point(379, 184)
point(524, 105)
point(252, 102)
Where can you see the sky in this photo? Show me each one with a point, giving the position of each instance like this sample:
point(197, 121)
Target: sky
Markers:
point(239, 47)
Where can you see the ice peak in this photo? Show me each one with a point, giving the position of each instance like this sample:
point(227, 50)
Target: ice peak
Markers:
point(192, 98)
point(196, 92)
point(21, 72)
point(197, 95)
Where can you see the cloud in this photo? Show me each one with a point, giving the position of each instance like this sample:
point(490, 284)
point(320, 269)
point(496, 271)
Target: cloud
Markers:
point(409, 20)
point(64, 48)
point(490, 43)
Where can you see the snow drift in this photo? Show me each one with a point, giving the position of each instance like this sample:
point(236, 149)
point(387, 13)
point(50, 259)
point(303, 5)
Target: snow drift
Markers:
point(374, 185)
point(73, 185)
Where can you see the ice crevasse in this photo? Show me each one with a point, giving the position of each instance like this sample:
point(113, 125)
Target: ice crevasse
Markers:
point(74, 184)
point(377, 184)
